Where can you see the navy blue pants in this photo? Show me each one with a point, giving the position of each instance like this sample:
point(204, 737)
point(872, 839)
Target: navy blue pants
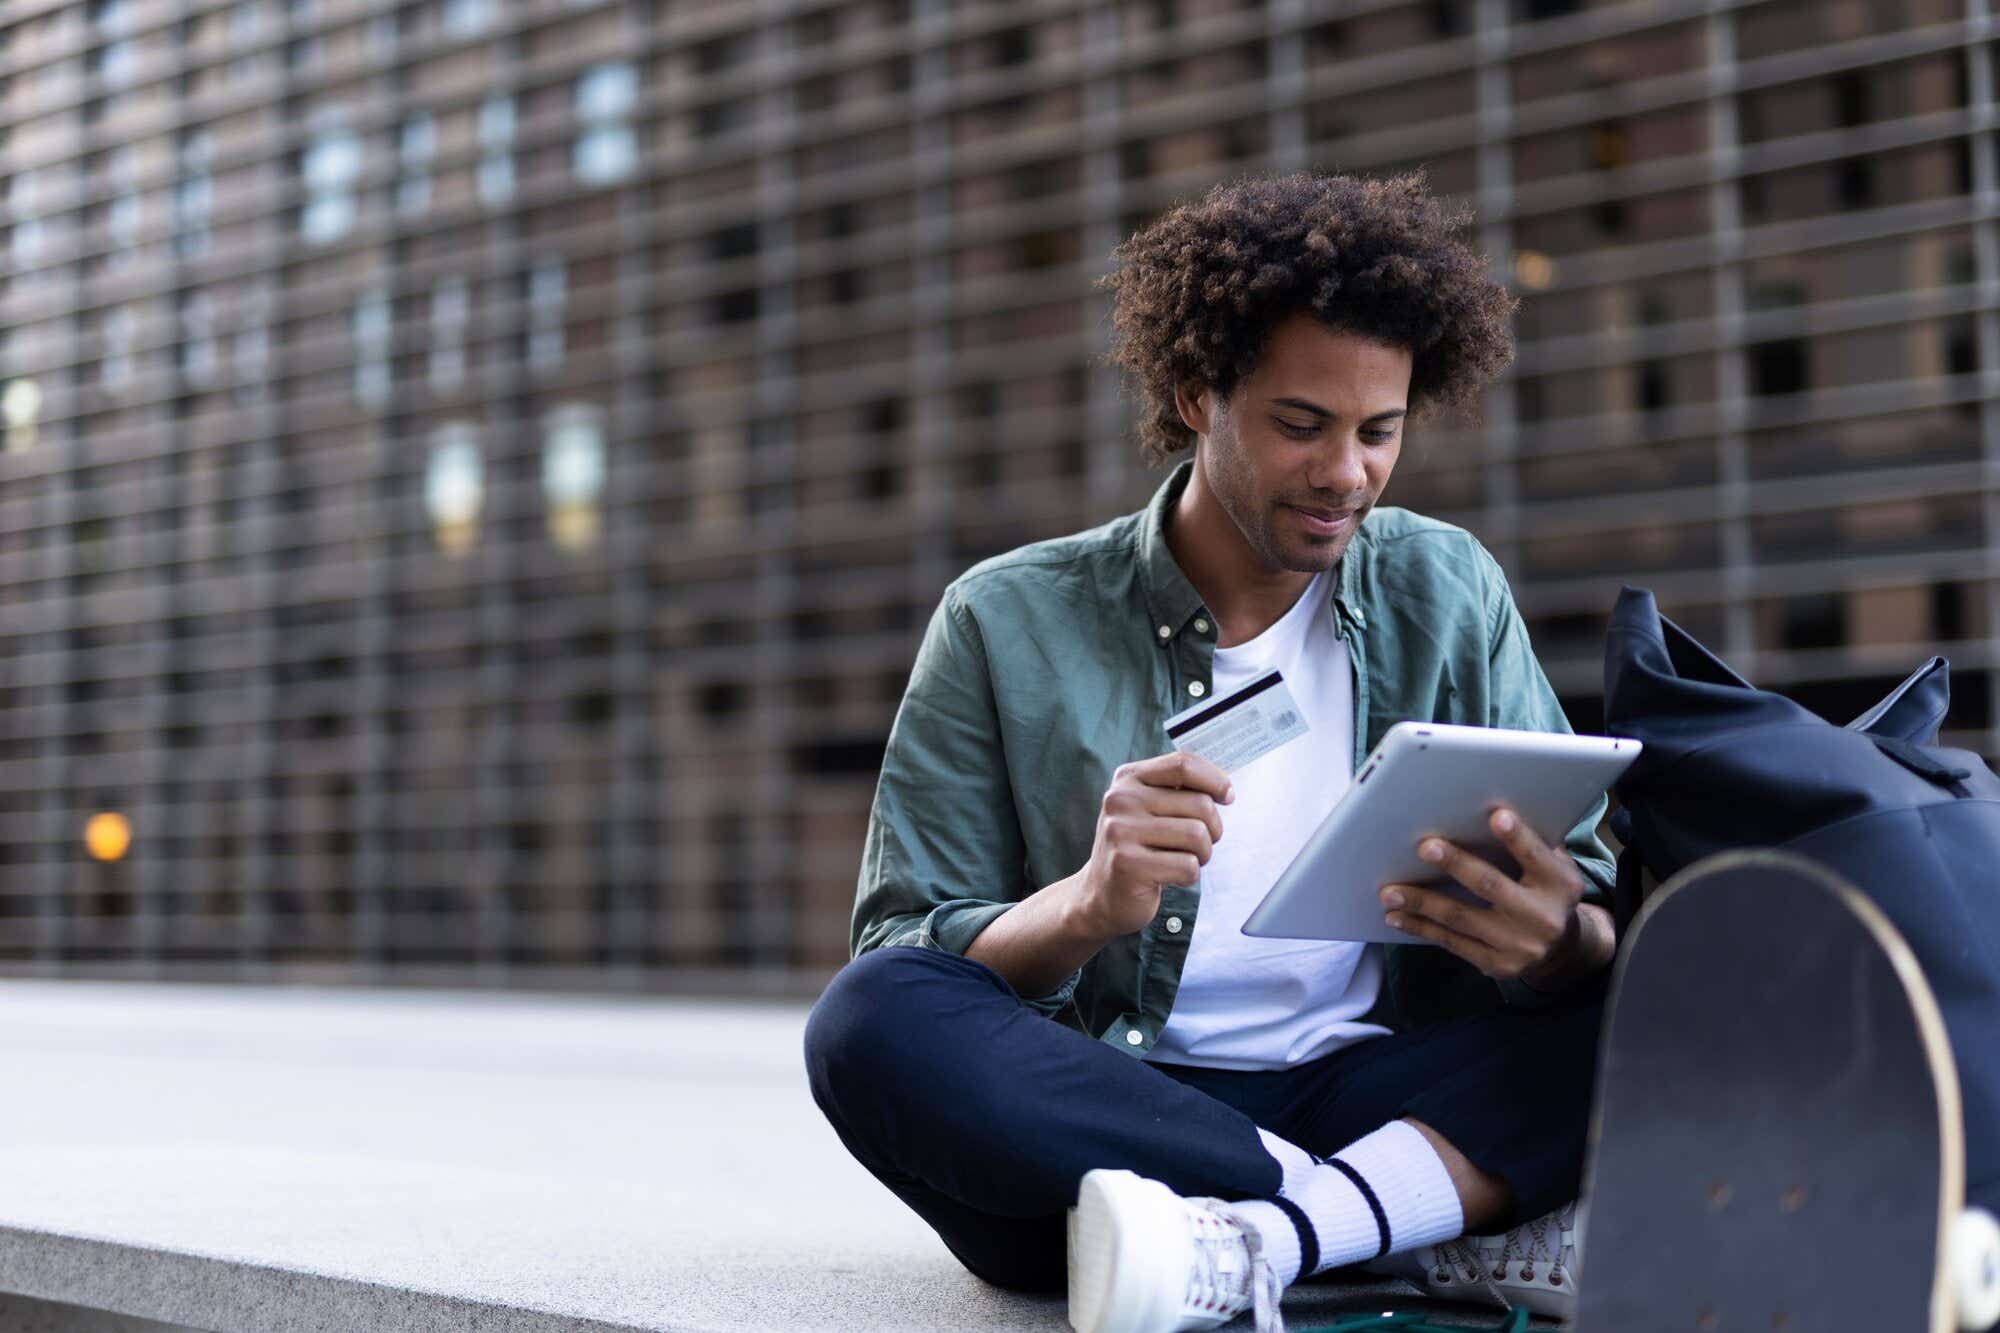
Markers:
point(983, 1115)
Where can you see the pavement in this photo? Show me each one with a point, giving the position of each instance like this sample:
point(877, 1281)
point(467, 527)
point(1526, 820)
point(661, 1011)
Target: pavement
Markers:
point(270, 1159)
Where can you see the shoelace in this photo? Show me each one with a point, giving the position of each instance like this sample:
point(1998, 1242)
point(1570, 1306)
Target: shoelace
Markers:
point(1220, 1287)
point(1538, 1240)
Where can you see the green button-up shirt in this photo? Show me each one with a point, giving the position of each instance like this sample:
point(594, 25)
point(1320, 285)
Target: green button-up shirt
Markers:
point(1044, 669)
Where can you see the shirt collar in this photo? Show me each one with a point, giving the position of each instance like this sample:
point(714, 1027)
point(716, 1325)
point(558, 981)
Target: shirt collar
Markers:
point(1169, 595)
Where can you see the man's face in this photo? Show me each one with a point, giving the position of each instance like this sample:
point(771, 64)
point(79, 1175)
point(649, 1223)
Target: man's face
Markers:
point(1305, 444)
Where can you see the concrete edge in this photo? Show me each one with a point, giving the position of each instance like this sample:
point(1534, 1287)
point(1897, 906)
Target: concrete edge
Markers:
point(221, 1295)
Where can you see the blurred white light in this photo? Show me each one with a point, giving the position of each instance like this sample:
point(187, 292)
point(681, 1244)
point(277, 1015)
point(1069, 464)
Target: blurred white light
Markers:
point(605, 153)
point(455, 486)
point(21, 402)
point(573, 459)
point(606, 91)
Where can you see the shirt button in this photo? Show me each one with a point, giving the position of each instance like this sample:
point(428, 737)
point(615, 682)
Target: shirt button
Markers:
point(1173, 925)
point(1200, 625)
point(1135, 1038)
point(1165, 631)
point(1197, 689)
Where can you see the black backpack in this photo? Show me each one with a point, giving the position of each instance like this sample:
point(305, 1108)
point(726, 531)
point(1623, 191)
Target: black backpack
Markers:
point(1914, 825)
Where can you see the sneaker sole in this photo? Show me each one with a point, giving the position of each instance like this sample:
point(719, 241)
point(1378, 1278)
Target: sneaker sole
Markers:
point(1122, 1253)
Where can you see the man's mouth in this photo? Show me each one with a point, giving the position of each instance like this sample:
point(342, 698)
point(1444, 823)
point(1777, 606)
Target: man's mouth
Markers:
point(1324, 522)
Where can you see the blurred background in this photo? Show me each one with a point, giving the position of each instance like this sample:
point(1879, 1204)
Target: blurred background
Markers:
point(474, 473)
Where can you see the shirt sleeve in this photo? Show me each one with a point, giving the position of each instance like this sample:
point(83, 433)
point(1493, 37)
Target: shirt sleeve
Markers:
point(944, 853)
point(1522, 698)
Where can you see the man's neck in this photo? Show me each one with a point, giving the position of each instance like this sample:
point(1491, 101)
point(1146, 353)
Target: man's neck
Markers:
point(1245, 595)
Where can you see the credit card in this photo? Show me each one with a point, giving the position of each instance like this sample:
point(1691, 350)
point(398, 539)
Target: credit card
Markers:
point(1231, 731)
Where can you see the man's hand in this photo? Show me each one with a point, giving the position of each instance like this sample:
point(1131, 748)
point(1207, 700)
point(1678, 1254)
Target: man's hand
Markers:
point(1157, 825)
point(1534, 929)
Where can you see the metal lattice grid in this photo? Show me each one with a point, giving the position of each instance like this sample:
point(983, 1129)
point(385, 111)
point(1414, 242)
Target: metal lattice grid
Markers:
point(325, 310)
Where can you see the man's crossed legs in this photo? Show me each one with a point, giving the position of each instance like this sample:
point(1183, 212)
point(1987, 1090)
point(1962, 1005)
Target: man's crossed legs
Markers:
point(984, 1116)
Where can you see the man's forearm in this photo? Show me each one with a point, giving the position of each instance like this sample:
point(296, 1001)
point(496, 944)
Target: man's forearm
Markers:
point(1038, 942)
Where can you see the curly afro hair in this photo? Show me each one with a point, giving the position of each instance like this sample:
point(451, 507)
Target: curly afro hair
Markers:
point(1198, 291)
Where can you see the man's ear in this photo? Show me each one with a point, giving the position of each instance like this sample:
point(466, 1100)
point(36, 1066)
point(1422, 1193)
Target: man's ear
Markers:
point(1196, 403)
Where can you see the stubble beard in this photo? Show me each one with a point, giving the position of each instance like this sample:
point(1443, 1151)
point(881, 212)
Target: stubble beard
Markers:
point(1236, 487)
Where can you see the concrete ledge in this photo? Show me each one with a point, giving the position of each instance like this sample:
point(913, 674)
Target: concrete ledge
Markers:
point(271, 1160)
point(24, 1314)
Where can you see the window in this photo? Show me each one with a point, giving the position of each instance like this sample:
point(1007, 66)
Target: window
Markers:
point(605, 153)
point(1779, 367)
point(545, 287)
point(496, 179)
point(194, 197)
point(496, 158)
point(418, 150)
point(327, 217)
point(463, 18)
point(124, 218)
point(330, 166)
point(607, 149)
point(25, 241)
point(371, 348)
point(251, 349)
point(21, 410)
point(121, 331)
point(448, 318)
point(246, 23)
point(197, 340)
point(455, 487)
point(496, 122)
point(112, 15)
point(573, 474)
point(116, 62)
point(545, 315)
point(606, 91)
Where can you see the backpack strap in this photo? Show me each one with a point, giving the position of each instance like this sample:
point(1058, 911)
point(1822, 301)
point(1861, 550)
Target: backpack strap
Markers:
point(1925, 765)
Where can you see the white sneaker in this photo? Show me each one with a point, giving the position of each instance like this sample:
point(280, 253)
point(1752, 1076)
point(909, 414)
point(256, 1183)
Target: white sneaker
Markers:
point(1142, 1259)
point(1533, 1266)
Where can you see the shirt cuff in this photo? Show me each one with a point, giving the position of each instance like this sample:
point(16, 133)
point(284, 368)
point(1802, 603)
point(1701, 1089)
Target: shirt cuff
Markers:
point(953, 926)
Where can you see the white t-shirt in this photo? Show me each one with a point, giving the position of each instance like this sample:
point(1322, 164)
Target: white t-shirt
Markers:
point(1250, 1003)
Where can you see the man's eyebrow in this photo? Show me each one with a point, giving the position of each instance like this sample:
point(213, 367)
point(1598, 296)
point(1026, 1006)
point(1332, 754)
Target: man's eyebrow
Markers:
point(1319, 411)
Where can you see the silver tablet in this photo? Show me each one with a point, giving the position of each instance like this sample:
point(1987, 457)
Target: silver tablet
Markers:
point(1430, 778)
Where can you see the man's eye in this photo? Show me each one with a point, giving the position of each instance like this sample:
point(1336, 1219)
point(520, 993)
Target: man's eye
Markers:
point(1298, 431)
point(1379, 435)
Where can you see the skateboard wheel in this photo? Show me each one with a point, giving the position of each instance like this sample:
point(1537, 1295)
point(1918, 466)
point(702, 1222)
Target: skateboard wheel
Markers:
point(1975, 1269)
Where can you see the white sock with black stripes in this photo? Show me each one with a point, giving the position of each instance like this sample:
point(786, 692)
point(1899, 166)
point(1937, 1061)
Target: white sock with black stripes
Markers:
point(1385, 1192)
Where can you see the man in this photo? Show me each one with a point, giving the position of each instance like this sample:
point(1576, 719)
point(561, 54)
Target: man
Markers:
point(1080, 1031)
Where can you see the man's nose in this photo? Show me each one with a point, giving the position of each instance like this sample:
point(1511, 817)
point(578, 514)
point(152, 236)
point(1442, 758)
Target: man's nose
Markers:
point(1339, 468)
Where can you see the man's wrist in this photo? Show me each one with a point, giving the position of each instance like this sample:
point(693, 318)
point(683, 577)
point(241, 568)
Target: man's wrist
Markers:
point(1586, 946)
point(1082, 924)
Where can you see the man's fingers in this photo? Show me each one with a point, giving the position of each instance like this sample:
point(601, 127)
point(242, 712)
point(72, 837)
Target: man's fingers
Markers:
point(1471, 950)
point(1174, 803)
point(1177, 835)
point(1180, 769)
point(1471, 920)
point(1162, 867)
point(1522, 842)
point(1475, 873)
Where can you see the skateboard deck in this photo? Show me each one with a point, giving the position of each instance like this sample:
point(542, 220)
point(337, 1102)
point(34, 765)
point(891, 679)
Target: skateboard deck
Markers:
point(1776, 1142)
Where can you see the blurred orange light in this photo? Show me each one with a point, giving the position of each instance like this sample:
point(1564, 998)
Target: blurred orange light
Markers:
point(107, 836)
point(1534, 270)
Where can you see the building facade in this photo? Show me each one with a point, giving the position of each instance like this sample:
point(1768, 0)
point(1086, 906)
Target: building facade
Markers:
point(474, 473)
